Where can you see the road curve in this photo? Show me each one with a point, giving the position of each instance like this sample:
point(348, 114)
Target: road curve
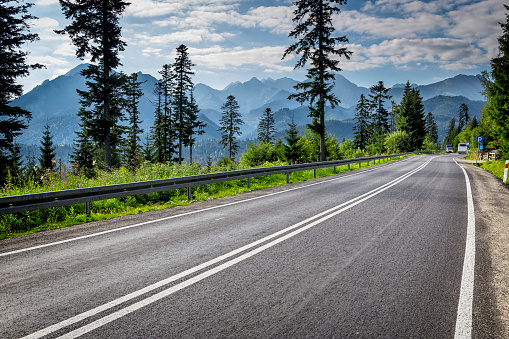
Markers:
point(372, 254)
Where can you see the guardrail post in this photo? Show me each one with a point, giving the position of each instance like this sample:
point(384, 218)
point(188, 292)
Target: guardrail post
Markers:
point(190, 193)
point(87, 208)
point(287, 177)
point(314, 171)
point(334, 169)
point(348, 166)
point(248, 183)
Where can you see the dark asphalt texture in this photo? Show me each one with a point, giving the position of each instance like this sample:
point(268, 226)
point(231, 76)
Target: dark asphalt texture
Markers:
point(389, 267)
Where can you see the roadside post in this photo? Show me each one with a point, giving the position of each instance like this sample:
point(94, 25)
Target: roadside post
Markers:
point(505, 171)
point(479, 140)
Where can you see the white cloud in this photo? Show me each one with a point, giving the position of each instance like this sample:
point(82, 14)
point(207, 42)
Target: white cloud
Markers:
point(225, 58)
point(190, 36)
point(46, 2)
point(45, 23)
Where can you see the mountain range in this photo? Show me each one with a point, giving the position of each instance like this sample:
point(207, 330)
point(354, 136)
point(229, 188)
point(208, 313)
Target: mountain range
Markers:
point(56, 102)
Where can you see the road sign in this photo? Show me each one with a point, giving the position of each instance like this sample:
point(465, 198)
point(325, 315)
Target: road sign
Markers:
point(480, 146)
point(468, 144)
point(480, 140)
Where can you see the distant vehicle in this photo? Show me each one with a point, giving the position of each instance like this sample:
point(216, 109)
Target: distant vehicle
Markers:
point(462, 148)
point(449, 149)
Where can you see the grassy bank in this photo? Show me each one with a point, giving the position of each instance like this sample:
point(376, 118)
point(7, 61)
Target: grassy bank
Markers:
point(52, 218)
point(495, 167)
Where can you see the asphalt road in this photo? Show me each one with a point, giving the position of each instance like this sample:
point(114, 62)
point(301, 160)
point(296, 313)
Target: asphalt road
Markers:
point(372, 254)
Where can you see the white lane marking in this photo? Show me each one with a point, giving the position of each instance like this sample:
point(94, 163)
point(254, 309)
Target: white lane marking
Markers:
point(465, 304)
point(118, 314)
point(183, 214)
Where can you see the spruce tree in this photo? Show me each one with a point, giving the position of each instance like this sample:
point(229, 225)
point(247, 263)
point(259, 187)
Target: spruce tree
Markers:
point(95, 32)
point(316, 45)
point(380, 117)
point(266, 127)
point(292, 149)
point(132, 94)
point(48, 150)
point(463, 117)
point(497, 90)
point(451, 132)
point(194, 126)
point(431, 128)
point(362, 131)
point(182, 85)
point(412, 116)
point(230, 126)
point(14, 32)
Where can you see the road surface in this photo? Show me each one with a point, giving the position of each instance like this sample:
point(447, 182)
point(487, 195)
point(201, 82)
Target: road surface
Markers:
point(379, 253)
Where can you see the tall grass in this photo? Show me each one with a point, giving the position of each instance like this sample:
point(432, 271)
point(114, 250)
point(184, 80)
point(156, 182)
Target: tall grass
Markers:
point(57, 217)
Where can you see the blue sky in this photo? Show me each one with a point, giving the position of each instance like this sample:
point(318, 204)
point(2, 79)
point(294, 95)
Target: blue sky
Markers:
point(235, 40)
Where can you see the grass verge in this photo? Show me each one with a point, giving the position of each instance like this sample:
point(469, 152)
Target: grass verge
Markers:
point(52, 218)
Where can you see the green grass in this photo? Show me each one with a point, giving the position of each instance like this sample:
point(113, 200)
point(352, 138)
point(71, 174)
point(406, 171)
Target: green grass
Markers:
point(58, 217)
point(495, 167)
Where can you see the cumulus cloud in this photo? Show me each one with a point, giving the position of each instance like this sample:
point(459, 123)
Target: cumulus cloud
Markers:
point(225, 58)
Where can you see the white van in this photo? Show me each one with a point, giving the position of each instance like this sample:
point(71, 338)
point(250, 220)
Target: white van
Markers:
point(462, 148)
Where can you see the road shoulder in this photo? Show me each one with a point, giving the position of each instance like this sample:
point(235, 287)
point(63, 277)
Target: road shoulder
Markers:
point(491, 291)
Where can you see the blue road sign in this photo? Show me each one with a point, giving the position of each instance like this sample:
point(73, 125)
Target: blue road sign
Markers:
point(480, 140)
point(480, 146)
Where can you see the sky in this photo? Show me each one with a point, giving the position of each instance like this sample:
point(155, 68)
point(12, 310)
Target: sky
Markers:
point(393, 41)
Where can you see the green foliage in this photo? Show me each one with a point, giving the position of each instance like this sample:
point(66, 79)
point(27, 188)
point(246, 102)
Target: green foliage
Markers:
point(230, 125)
point(48, 150)
point(266, 127)
point(497, 90)
point(397, 142)
point(362, 130)
point(316, 45)
point(412, 118)
point(14, 32)
point(95, 32)
point(260, 153)
point(292, 150)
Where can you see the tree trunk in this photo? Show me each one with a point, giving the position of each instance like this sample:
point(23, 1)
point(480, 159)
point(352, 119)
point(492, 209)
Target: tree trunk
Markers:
point(107, 94)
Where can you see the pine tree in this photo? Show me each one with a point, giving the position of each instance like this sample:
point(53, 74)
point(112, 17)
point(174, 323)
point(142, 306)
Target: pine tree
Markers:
point(431, 128)
point(95, 32)
point(380, 117)
point(463, 117)
point(48, 150)
point(266, 127)
point(412, 116)
point(316, 45)
point(230, 126)
point(362, 131)
point(451, 132)
point(132, 94)
point(14, 32)
point(82, 157)
point(292, 150)
point(194, 126)
point(497, 91)
point(182, 85)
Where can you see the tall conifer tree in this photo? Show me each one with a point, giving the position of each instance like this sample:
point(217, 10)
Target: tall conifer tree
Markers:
point(497, 91)
point(362, 131)
point(14, 32)
point(230, 125)
point(95, 32)
point(266, 127)
point(182, 85)
point(316, 45)
point(48, 150)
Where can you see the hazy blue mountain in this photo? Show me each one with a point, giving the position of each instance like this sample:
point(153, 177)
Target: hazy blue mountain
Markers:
point(56, 102)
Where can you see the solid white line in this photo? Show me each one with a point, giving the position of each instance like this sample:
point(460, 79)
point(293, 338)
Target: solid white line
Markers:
point(325, 215)
point(465, 304)
point(181, 215)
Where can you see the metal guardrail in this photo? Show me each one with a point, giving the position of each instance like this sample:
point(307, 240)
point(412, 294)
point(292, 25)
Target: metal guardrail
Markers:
point(36, 201)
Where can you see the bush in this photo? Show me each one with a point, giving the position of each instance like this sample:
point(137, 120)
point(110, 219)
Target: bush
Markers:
point(397, 142)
